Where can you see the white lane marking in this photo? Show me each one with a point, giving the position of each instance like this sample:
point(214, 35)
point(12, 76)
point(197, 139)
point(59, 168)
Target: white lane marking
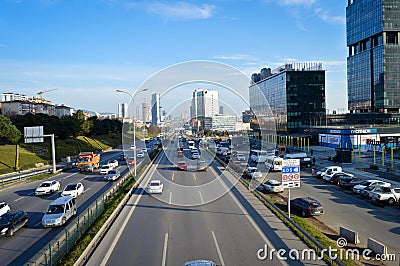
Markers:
point(201, 197)
point(253, 223)
point(164, 256)
point(116, 238)
point(170, 197)
point(173, 175)
point(37, 224)
point(194, 176)
point(19, 199)
point(218, 250)
point(69, 175)
point(86, 190)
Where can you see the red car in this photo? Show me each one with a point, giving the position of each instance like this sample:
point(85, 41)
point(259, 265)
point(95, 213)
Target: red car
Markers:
point(131, 160)
point(180, 154)
point(182, 166)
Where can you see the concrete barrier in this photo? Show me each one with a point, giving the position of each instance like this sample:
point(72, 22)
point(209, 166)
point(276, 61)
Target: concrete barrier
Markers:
point(377, 247)
point(350, 235)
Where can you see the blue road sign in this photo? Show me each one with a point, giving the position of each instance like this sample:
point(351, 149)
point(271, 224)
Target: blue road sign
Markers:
point(290, 169)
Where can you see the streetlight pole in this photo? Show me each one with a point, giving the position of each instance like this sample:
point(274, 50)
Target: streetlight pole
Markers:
point(134, 130)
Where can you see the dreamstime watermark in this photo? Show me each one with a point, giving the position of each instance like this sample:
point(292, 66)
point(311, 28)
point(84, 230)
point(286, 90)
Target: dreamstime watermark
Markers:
point(333, 253)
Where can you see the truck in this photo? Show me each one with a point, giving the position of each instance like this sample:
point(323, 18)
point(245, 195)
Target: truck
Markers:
point(88, 161)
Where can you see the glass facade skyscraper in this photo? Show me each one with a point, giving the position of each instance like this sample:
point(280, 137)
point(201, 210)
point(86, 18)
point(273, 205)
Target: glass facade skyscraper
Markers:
point(373, 62)
point(295, 94)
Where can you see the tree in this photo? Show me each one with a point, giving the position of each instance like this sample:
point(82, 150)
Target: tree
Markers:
point(86, 127)
point(9, 131)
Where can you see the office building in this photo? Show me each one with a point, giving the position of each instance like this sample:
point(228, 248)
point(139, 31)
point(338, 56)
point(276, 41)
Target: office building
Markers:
point(146, 112)
point(373, 62)
point(123, 110)
point(295, 94)
point(155, 110)
point(204, 104)
point(220, 123)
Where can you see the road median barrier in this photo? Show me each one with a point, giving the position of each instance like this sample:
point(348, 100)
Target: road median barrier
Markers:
point(377, 246)
point(350, 235)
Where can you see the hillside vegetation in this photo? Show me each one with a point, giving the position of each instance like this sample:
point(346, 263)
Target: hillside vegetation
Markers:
point(34, 153)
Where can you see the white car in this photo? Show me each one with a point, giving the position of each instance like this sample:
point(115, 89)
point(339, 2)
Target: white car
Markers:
point(140, 154)
point(155, 186)
point(47, 187)
point(113, 163)
point(112, 175)
point(4, 208)
point(253, 172)
point(370, 183)
point(105, 169)
point(195, 155)
point(273, 186)
point(241, 157)
point(73, 189)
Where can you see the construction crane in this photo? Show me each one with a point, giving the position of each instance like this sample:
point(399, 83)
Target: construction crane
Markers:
point(44, 91)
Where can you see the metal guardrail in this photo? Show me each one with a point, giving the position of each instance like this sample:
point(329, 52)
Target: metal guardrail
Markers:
point(318, 245)
point(11, 178)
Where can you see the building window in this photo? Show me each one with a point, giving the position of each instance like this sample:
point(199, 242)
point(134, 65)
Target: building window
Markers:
point(391, 38)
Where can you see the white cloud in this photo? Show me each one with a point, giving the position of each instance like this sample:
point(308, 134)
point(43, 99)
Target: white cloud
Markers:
point(297, 2)
point(181, 10)
point(323, 14)
point(235, 57)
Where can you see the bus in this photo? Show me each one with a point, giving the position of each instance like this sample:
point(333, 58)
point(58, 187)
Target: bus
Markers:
point(259, 156)
point(274, 163)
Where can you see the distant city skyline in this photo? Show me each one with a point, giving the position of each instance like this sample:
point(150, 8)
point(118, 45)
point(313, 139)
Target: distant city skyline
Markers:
point(48, 45)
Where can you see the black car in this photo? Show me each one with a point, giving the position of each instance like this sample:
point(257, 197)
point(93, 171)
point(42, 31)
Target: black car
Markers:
point(122, 157)
point(348, 183)
point(337, 176)
point(306, 206)
point(11, 221)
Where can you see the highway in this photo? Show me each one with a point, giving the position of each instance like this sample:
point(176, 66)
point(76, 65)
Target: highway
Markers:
point(28, 241)
point(188, 221)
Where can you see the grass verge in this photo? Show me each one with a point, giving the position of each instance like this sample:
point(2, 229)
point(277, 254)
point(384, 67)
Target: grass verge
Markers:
point(310, 229)
point(34, 153)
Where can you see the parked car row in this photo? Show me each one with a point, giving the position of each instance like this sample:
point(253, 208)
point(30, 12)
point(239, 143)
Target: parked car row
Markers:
point(378, 191)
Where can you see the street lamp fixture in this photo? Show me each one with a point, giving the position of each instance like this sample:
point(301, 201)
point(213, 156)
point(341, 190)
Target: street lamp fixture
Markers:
point(134, 128)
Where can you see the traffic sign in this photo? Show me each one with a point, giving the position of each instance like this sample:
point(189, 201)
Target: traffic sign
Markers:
point(291, 169)
point(290, 162)
point(291, 173)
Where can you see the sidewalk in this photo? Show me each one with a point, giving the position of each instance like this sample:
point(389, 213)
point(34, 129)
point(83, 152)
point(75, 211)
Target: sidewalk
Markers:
point(359, 167)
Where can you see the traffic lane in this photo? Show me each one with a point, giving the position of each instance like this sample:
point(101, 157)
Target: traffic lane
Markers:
point(41, 236)
point(34, 237)
point(30, 240)
point(188, 236)
point(162, 226)
point(350, 211)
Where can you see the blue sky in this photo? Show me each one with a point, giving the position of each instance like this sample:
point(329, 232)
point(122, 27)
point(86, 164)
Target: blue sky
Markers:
point(89, 48)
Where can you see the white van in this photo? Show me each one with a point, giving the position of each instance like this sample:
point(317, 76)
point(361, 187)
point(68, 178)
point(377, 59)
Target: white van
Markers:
point(59, 211)
point(328, 170)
